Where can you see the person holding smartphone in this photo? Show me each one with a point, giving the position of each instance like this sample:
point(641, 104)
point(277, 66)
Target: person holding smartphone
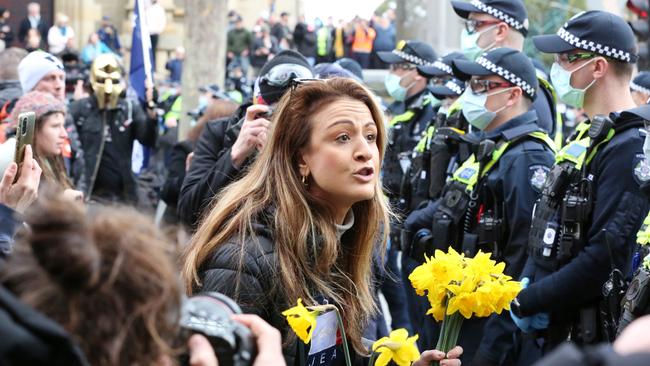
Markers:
point(49, 139)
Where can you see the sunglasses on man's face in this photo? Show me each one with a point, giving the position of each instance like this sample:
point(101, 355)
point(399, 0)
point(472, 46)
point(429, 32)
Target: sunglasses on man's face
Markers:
point(402, 66)
point(569, 58)
point(472, 25)
point(439, 80)
point(480, 86)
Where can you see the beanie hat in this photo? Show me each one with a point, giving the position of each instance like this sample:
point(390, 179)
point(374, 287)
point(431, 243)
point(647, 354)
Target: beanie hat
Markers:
point(34, 67)
point(272, 94)
point(285, 57)
point(40, 103)
point(326, 70)
point(351, 65)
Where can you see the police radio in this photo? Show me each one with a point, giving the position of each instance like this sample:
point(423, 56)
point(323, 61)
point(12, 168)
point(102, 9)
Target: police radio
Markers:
point(636, 301)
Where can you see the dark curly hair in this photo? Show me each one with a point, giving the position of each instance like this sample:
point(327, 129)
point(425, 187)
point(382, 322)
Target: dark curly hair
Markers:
point(106, 275)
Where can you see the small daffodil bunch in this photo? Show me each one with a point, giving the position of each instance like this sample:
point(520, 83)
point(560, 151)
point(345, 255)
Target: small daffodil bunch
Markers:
point(397, 347)
point(303, 320)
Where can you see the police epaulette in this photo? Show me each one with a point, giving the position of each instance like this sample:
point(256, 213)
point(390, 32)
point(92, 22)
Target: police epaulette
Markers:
point(517, 132)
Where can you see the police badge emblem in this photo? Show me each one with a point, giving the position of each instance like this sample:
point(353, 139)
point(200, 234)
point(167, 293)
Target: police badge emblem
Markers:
point(538, 177)
point(642, 170)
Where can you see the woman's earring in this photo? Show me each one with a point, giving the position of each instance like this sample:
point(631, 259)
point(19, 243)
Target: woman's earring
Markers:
point(304, 180)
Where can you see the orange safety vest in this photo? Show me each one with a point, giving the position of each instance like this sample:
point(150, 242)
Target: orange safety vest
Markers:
point(363, 39)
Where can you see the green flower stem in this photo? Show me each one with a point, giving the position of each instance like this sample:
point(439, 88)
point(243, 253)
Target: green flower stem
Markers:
point(449, 333)
point(344, 337)
point(390, 345)
point(373, 358)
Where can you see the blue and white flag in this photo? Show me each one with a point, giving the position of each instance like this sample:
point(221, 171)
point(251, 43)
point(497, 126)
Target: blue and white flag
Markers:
point(139, 74)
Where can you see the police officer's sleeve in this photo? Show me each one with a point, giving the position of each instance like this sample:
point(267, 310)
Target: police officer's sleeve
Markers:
point(210, 171)
point(518, 177)
point(145, 128)
point(618, 212)
point(422, 218)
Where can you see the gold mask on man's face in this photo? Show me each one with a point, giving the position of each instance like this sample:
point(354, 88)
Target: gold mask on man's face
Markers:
point(106, 81)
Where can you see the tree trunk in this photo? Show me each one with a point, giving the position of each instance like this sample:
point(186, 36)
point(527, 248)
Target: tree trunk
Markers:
point(205, 44)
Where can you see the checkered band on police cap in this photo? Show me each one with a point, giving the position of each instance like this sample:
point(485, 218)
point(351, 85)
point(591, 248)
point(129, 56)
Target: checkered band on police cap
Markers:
point(506, 74)
point(443, 67)
point(593, 46)
point(412, 58)
point(636, 87)
point(500, 15)
point(454, 87)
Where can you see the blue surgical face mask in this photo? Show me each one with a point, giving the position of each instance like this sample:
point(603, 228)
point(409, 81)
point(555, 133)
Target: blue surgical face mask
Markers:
point(474, 109)
point(435, 102)
point(561, 80)
point(469, 46)
point(394, 88)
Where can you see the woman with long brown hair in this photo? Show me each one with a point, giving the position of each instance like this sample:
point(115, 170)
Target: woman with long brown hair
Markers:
point(307, 218)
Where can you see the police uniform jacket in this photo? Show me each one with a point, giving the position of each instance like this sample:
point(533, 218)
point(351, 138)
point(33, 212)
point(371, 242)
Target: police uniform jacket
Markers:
point(516, 180)
point(404, 133)
point(618, 170)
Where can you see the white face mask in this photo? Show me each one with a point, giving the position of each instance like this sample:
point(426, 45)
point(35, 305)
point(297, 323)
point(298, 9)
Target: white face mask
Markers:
point(475, 111)
point(561, 80)
point(393, 84)
point(469, 43)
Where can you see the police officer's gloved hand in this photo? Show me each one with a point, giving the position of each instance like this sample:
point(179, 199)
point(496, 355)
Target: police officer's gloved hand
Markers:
point(531, 323)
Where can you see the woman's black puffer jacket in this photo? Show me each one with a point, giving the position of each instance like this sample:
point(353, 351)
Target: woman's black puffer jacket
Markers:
point(258, 280)
point(254, 284)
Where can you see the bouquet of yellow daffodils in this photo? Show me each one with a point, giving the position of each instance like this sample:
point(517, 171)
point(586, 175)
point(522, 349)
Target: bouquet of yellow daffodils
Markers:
point(457, 287)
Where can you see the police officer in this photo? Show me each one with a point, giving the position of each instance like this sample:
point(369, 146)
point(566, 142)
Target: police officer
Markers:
point(640, 87)
point(414, 107)
point(591, 206)
point(487, 203)
point(636, 301)
point(425, 163)
point(429, 161)
point(504, 23)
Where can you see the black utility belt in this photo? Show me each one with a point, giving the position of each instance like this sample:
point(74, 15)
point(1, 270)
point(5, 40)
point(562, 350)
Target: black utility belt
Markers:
point(553, 244)
point(454, 225)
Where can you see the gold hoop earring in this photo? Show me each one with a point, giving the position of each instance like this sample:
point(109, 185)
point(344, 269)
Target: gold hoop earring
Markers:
point(304, 180)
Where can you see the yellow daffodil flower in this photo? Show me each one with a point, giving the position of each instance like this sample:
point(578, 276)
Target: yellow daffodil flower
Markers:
point(398, 347)
point(422, 278)
point(301, 320)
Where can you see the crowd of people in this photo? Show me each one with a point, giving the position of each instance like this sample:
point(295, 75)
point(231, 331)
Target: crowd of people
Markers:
point(311, 188)
point(319, 41)
point(35, 33)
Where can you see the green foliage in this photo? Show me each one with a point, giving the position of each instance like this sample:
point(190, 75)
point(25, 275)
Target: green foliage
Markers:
point(545, 18)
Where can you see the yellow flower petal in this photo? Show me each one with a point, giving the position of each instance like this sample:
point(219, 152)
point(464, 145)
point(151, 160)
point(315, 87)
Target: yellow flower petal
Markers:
point(398, 347)
point(384, 358)
point(301, 320)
